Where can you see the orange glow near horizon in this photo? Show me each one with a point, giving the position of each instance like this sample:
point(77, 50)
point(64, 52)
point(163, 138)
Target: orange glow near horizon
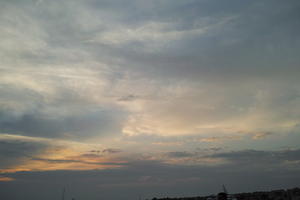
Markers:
point(6, 179)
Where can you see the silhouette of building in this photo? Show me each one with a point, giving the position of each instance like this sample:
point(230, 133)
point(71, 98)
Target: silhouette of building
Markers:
point(222, 196)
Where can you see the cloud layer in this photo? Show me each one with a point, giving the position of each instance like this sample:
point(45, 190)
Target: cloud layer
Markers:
point(177, 95)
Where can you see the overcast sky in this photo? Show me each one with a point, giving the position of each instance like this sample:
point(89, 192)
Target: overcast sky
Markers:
point(116, 99)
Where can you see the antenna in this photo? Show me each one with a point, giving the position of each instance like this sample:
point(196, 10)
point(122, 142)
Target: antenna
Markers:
point(63, 193)
point(224, 189)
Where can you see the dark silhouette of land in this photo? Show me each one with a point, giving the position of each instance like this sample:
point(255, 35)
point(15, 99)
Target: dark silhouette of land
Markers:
point(289, 194)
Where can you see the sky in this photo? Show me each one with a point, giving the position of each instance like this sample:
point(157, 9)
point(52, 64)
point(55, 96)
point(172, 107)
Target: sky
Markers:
point(129, 99)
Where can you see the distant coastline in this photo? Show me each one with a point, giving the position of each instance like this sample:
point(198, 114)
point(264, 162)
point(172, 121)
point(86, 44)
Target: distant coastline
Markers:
point(282, 194)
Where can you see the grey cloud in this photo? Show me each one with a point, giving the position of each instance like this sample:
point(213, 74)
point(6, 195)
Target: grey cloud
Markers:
point(57, 160)
point(245, 158)
point(255, 157)
point(95, 151)
point(14, 152)
point(244, 54)
point(180, 154)
point(129, 97)
point(54, 161)
point(246, 45)
point(191, 139)
point(91, 155)
point(262, 135)
point(210, 149)
point(262, 40)
point(91, 122)
point(104, 151)
point(215, 148)
point(110, 150)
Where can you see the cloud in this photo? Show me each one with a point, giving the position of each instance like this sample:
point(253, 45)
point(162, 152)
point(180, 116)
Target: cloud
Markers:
point(172, 73)
point(262, 135)
point(130, 97)
point(91, 155)
point(93, 122)
point(24, 153)
point(6, 179)
point(190, 83)
point(264, 158)
point(111, 150)
point(16, 152)
point(78, 161)
point(179, 154)
point(243, 158)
